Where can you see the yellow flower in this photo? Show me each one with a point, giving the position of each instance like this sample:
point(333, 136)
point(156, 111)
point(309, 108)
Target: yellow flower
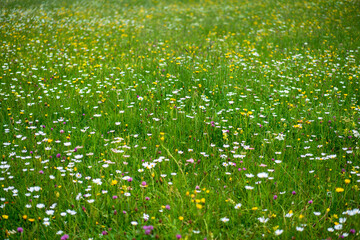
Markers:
point(181, 218)
point(347, 181)
point(254, 208)
point(24, 217)
point(199, 206)
point(5, 216)
point(31, 219)
point(339, 190)
point(114, 182)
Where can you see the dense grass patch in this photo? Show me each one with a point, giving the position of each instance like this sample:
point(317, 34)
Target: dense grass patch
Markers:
point(179, 119)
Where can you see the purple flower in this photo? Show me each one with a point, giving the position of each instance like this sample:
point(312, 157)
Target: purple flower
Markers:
point(115, 212)
point(20, 229)
point(147, 198)
point(104, 233)
point(310, 202)
point(148, 229)
point(275, 197)
point(352, 231)
point(115, 197)
point(75, 149)
point(178, 236)
point(293, 193)
point(58, 155)
point(143, 183)
point(124, 212)
point(41, 172)
point(64, 237)
point(167, 207)
point(197, 187)
point(129, 179)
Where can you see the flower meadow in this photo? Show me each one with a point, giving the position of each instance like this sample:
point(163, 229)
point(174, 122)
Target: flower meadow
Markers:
point(149, 119)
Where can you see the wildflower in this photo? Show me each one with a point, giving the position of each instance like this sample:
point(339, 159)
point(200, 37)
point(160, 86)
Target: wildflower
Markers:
point(224, 219)
point(40, 205)
point(148, 229)
point(339, 190)
point(263, 219)
point(237, 206)
point(262, 175)
point(178, 236)
point(278, 232)
point(338, 227)
point(275, 197)
point(64, 237)
point(20, 229)
point(293, 193)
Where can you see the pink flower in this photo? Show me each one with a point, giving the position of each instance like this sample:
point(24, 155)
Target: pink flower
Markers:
point(190, 160)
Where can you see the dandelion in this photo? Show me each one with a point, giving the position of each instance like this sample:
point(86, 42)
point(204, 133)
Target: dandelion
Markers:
point(339, 190)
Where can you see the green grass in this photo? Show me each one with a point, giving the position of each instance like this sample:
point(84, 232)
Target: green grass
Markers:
point(233, 102)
